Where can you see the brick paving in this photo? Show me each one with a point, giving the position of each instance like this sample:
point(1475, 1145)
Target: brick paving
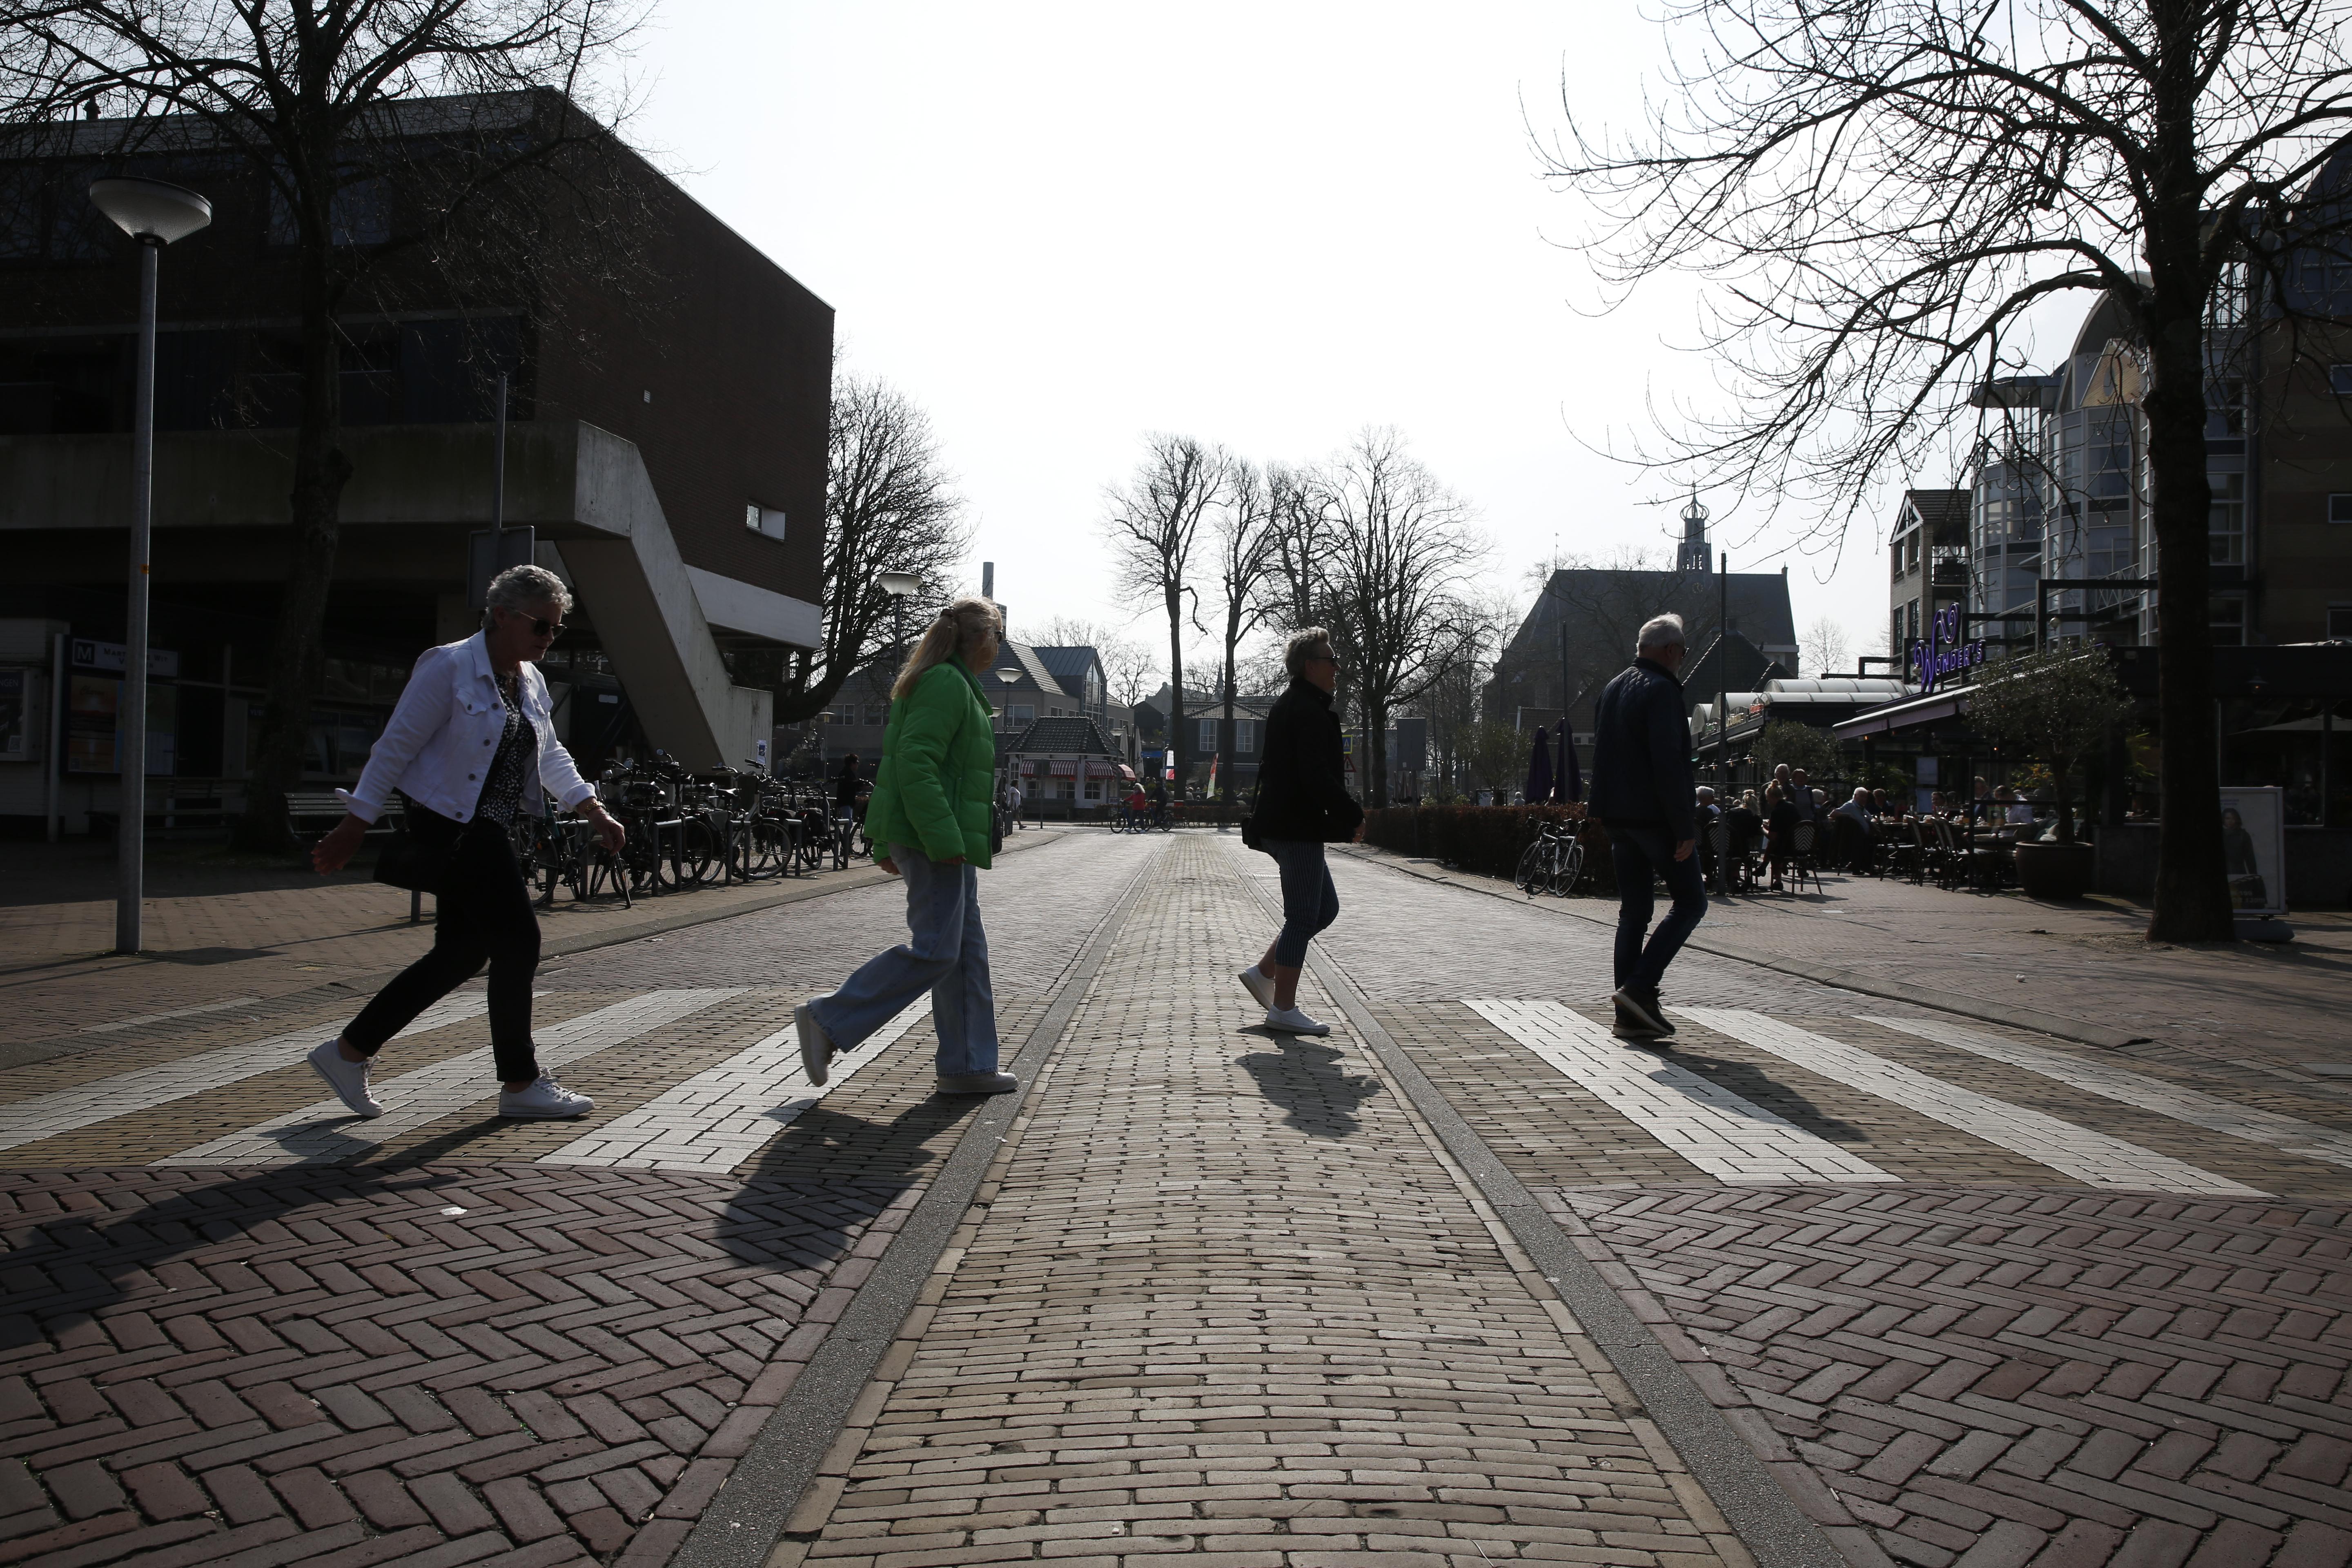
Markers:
point(2273, 1002)
point(1220, 1302)
point(318, 1364)
point(1967, 1375)
point(1219, 1296)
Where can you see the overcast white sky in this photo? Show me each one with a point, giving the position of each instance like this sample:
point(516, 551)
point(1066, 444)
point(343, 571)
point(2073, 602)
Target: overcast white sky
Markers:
point(1058, 226)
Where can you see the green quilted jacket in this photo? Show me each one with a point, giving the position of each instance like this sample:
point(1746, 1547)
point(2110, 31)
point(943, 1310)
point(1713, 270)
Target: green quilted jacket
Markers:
point(936, 788)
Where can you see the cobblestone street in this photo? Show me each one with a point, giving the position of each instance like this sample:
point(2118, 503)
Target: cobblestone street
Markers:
point(1832, 1277)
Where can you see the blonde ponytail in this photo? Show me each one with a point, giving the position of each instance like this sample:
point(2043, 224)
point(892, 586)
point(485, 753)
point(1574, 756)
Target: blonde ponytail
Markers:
point(956, 625)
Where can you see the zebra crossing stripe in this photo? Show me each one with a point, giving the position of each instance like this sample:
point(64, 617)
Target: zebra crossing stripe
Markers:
point(1731, 1138)
point(64, 1109)
point(2089, 1157)
point(2288, 1133)
point(724, 1115)
point(324, 1132)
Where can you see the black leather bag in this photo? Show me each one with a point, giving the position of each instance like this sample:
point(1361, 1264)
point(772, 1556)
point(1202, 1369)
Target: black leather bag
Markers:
point(418, 859)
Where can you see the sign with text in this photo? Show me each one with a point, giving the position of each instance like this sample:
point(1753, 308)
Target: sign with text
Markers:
point(89, 653)
point(1939, 656)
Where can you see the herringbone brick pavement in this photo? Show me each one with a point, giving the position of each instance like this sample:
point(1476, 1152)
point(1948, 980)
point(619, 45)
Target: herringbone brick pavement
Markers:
point(1976, 1376)
point(350, 1366)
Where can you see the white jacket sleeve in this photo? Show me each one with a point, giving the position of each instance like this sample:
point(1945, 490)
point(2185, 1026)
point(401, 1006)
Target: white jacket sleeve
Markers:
point(422, 713)
point(558, 774)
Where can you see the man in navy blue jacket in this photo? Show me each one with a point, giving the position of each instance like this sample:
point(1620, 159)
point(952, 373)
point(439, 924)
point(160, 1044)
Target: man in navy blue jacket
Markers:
point(1643, 792)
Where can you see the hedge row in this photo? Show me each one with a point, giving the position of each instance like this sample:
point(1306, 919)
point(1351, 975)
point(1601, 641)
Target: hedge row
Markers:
point(1485, 840)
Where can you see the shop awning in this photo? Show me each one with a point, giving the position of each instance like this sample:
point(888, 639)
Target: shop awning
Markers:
point(1904, 715)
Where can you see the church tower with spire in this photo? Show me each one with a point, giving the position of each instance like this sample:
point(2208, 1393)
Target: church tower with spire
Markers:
point(1696, 556)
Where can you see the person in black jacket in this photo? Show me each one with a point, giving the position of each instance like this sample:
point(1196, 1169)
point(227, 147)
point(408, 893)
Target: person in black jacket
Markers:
point(1302, 803)
point(1643, 792)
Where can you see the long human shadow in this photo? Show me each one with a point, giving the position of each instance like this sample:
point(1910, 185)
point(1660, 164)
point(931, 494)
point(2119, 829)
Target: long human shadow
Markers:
point(1753, 1084)
point(1306, 1078)
point(804, 1202)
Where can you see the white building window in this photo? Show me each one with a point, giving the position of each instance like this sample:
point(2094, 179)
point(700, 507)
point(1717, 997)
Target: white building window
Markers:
point(767, 519)
point(1020, 715)
point(1208, 736)
point(1245, 737)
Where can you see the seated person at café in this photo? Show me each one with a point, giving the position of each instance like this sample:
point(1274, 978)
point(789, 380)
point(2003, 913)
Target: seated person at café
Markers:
point(1746, 824)
point(1878, 807)
point(1984, 809)
point(2016, 809)
point(1851, 821)
point(1780, 820)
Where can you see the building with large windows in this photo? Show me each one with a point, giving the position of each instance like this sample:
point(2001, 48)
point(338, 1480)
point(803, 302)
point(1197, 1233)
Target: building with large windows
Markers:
point(667, 442)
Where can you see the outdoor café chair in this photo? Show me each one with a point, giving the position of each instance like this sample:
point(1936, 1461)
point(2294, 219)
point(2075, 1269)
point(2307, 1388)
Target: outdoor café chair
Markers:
point(1800, 859)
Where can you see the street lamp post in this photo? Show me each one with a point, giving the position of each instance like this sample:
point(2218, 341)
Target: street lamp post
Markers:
point(154, 213)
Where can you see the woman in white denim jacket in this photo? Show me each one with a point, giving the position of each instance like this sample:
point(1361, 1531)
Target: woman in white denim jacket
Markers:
point(471, 742)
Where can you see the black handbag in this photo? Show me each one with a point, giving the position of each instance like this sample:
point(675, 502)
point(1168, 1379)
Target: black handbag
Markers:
point(417, 862)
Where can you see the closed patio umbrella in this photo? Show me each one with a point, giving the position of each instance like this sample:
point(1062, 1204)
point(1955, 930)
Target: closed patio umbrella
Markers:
point(1571, 777)
point(1539, 769)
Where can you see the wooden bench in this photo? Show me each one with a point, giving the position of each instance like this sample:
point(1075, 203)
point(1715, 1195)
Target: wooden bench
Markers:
point(308, 807)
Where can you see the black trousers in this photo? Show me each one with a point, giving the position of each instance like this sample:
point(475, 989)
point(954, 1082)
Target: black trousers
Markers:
point(483, 914)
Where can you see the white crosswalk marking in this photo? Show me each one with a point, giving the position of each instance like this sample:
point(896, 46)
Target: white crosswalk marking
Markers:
point(1729, 1138)
point(220, 1006)
point(2077, 1152)
point(723, 1115)
point(64, 1109)
point(323, 1131)
point(2307, 1139)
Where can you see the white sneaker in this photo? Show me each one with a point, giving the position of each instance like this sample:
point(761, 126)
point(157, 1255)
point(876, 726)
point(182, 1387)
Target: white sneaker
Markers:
point(545, 1101)
point(348, 1080)
point(1290, 1020)
point(1258, 986)
point(818, 1049)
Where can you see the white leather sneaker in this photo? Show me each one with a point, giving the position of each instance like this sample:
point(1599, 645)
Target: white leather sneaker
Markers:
point(1290, 1020)
point(818, 1049)
point(977, 1083)
point(545, 1101)
point(348, 1080)
point(1258, 986)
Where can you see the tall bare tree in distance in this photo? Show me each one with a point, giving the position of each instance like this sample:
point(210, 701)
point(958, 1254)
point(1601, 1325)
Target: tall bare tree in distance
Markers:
point(1824, 646)
point(1153, 525)
point(1246, 540)
point(1401, 558)
point(1884, 189)
point(890, 505)
point(308, 95)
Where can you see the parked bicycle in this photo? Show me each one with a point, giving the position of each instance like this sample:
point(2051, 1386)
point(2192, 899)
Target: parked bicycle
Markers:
point(1554, 863)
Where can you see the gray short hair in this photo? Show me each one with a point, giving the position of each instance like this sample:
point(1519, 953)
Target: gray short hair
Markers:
point(1659, 631)
point(1301, 646)
point(519, 585)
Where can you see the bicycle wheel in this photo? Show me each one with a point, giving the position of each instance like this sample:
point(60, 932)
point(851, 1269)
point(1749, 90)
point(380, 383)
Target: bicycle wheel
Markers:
point(1570, 867)
point(1531, 867)
point(699, 852)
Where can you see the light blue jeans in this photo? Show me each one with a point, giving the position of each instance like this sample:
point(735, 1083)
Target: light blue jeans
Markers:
point(948, 956)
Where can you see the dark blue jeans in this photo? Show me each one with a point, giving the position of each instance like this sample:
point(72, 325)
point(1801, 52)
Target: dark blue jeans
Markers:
point(1310, 902)
point(1636, 853)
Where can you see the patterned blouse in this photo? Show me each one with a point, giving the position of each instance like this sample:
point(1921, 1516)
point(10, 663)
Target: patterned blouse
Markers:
point(515, 763)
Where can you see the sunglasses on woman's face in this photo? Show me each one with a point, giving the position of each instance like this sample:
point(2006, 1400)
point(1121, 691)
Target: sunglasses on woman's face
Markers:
point(550, 630)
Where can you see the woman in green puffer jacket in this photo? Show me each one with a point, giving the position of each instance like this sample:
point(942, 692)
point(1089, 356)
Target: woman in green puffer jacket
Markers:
point(931, 820)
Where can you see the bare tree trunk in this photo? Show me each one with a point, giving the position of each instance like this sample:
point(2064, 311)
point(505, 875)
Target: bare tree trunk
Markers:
point(1176, 688)
point(296, 660)
point(1375, 772)
point(2192, 898)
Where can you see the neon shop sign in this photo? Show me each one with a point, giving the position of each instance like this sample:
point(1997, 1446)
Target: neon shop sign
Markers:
point(1939, 656)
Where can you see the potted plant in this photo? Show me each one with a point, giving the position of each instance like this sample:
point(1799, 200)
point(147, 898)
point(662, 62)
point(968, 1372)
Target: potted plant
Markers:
point(2056, 708)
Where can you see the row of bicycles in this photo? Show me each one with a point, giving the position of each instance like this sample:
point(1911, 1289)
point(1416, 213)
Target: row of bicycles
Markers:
point(684, 831)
